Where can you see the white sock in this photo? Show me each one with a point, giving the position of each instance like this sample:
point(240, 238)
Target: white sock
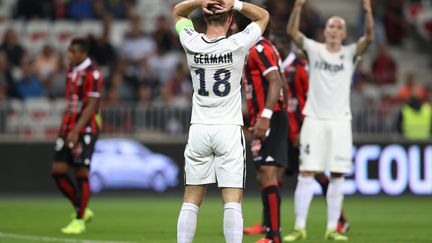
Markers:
point(233, 222)
point(302, 198)
point(187, 221)
point(334, 201)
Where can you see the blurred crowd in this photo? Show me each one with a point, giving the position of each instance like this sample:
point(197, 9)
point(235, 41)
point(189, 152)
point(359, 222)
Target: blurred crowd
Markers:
point(147, 68)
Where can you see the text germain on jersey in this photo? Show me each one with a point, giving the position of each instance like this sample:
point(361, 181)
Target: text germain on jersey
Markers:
point(213, 58)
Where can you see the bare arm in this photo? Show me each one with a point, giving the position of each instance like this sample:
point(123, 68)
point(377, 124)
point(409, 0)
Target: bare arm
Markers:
point(275, 80)
point(183, 9)
point(86, 114)
point(285, 88)
point(369, 34)
point(294, 23)
point(257, 14)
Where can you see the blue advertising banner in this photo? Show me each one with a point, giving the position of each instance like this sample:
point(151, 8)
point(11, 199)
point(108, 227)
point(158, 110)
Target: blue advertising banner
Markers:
point(379, 168)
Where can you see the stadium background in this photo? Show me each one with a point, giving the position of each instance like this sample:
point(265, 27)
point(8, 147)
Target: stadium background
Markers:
point(147, 92)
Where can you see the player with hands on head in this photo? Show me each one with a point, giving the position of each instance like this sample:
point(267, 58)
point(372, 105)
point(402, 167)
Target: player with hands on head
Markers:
point(326, 135)
point(215, 151)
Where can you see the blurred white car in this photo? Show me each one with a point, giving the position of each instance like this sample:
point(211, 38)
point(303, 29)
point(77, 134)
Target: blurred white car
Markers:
point(124, 163)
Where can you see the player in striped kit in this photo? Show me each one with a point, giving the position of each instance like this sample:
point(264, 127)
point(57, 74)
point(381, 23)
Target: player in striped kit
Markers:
point(269, 124)
point(78, 133)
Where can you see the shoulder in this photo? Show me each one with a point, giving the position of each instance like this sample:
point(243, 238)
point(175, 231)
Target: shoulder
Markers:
point(264, 46)
point(350, 47)
point(93, 72)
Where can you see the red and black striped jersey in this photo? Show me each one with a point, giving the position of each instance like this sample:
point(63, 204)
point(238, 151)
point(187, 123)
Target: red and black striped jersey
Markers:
point(262, 59)
point(82, 82)
point(295, 71)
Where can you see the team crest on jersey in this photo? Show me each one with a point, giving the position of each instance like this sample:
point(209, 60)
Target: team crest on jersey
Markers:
point(96, 75)
point(259, 48)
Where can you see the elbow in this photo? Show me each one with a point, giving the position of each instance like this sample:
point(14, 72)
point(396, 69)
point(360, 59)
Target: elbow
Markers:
point(370, 39)
point(175, 11)
point(266, 16)
point(292, 32)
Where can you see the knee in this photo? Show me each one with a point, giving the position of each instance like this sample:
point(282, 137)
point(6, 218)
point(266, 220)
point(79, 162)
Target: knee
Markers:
point(268, 175)
point(306, 174)
point(194, 194)
point(337, 175)
point(82, 172)
point(234, 195)
point(59, 168)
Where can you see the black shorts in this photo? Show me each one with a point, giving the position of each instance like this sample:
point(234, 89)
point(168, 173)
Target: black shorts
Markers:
point(80, 155)
point(273, 150)
point(293, 153)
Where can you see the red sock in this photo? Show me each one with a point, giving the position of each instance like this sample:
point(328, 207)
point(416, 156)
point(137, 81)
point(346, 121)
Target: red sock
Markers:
point(83, 184)
point(66, 186)
point(271, 201)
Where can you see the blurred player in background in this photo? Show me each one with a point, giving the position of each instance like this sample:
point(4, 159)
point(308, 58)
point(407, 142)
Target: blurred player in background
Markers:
point(326, 136)
point(295, 69)
point(78, 133)
point(216, 148)
point(269, 126)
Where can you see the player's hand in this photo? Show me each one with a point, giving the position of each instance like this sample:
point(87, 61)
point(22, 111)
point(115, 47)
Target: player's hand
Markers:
point(260, 129)
point(256, 147)
point(205, 4)
point(72, 139)
point(367, 6)
point(300, 2)
point(227, 5)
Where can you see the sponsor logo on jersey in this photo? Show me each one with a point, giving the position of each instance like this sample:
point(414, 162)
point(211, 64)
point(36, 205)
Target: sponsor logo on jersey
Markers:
point(269, 159)
point(188, 31)
point(325, 66)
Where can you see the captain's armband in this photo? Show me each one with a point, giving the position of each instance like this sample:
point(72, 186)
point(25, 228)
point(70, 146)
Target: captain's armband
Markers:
point(183, 23)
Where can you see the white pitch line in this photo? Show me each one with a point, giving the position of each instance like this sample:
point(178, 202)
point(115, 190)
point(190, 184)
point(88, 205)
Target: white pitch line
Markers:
point(53, 239)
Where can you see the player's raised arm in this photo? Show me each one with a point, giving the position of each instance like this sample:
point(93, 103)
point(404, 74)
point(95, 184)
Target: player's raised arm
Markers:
point(183, 9)
point(369, 34)
point(253, 12)
point(294, 24)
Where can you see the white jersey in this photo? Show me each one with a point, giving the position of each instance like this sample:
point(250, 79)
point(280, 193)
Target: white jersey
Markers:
point(216, 68)
point(330, 76)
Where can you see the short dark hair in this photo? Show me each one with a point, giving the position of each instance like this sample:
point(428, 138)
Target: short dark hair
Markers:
point(217, 19)
point(83, 44)
point(242, 22)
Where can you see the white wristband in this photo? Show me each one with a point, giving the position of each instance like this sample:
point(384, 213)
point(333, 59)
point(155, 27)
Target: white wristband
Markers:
point(238, 5)
point(267, 113)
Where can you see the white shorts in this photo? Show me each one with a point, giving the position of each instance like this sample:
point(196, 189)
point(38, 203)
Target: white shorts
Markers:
point(215, 153)
point(326, 145)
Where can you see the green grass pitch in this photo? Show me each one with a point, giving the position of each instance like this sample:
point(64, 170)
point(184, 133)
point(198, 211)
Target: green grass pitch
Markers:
point(153, 219)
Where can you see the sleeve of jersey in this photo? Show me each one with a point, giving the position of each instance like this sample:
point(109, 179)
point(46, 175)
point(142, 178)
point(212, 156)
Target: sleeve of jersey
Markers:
point(94, 84)
point(185, 30)
point(248, 37)
point(266, 59)
point(352, 50)
point(309, 45)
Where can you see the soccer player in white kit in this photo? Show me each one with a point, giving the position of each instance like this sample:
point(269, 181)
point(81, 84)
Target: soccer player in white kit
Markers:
point(215, 151)
point(326, 136)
